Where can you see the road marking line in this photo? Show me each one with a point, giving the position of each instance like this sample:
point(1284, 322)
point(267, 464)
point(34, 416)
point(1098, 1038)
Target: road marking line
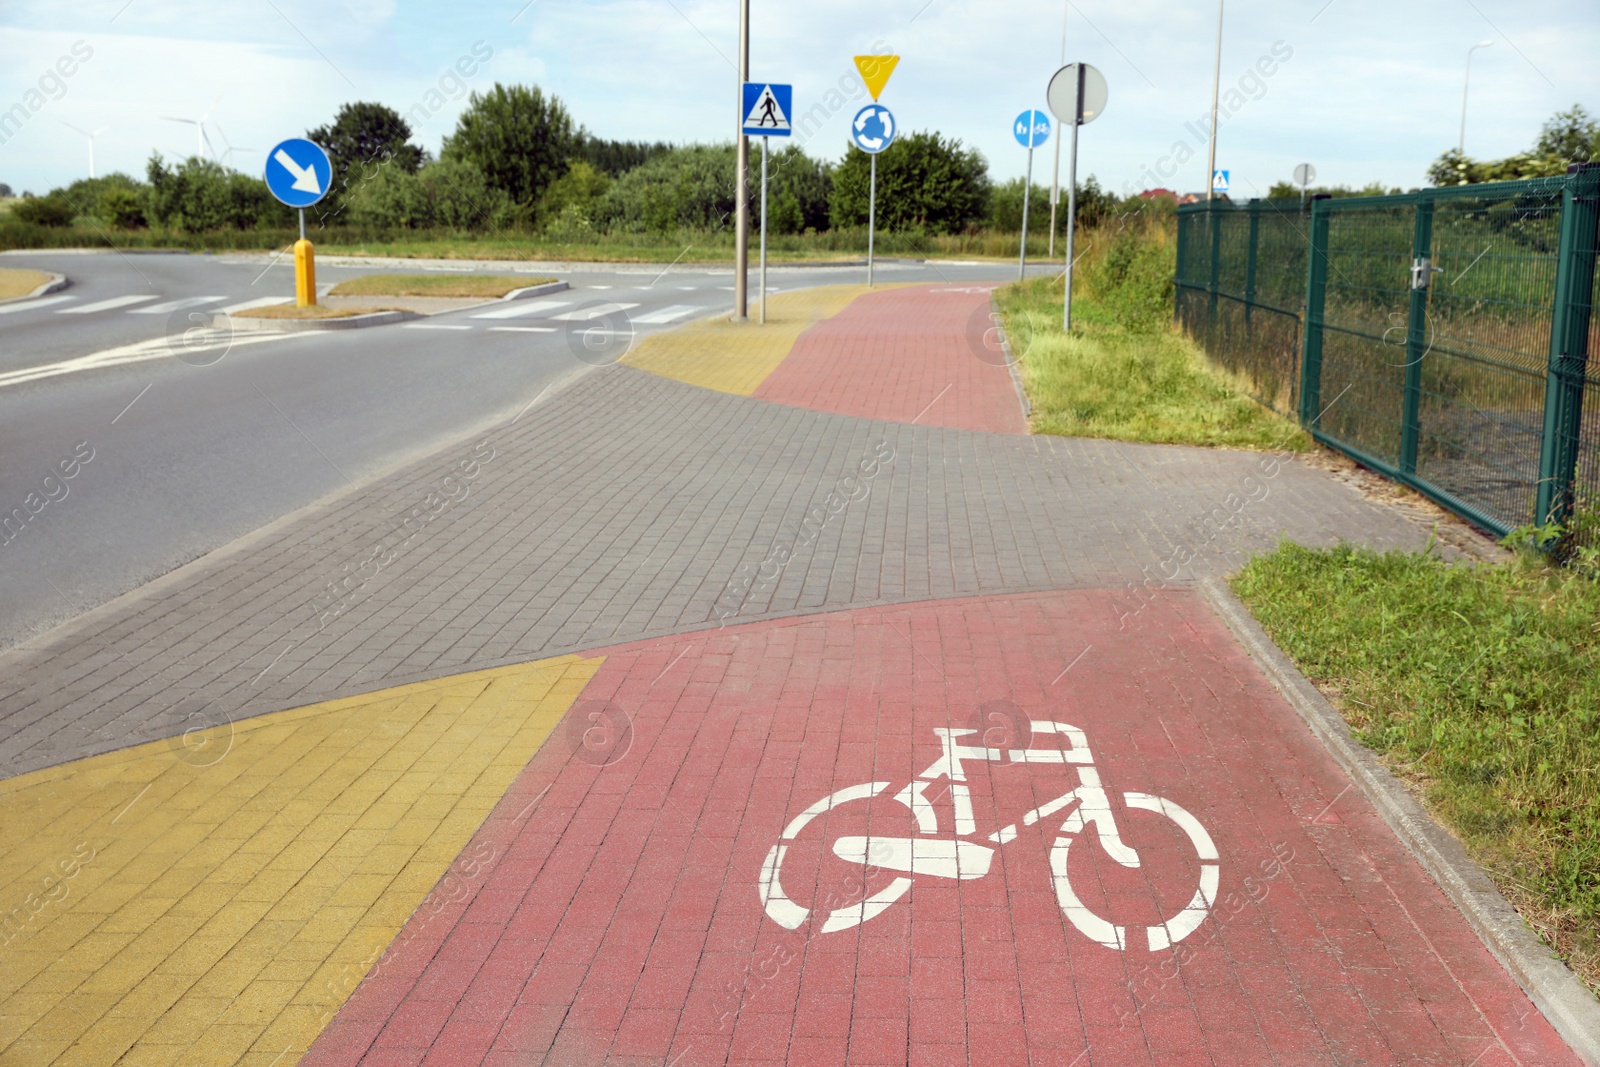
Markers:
point(177, 305)
point(29, 305)
point(588, 314)
point(106, 305)
point(135, 353)
point(433, 326)
point(523, 329)
point(667, 314)
point(520, 308)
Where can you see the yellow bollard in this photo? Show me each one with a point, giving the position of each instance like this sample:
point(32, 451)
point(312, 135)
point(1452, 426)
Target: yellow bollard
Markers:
point(305, 274)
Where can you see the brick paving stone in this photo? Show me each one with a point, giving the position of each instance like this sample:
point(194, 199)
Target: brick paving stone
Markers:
point(926, 354)
point(638, 932)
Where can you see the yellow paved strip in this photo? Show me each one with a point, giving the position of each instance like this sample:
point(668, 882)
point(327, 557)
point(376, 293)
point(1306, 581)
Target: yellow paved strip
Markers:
point(214, 899)
point(737, 357)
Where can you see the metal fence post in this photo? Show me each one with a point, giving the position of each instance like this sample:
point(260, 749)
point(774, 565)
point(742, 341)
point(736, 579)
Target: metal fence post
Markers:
point(1184, 222)
point(1250, 261)
point(1569, 342)
point(1417, 342)
point(1311, 338)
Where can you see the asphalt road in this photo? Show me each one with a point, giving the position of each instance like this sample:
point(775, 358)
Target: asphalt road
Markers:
point(174, 452)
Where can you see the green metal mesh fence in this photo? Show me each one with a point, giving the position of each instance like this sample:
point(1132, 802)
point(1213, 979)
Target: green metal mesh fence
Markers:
point(1443, 337)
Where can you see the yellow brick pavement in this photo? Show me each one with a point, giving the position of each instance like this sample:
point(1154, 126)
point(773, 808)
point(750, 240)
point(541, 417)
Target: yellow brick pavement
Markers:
point(215, 899)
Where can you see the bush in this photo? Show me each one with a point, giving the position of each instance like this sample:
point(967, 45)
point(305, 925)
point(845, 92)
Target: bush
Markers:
point(687, 188)
point(924, 182)
point(52, 210)
point(200, 195)
point(447, 193)
point(576, 196)
point(122, 209)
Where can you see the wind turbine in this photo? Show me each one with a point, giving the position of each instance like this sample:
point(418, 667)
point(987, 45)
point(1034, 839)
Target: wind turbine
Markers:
point(201, 141)
point(91, 137)
point(229, 148)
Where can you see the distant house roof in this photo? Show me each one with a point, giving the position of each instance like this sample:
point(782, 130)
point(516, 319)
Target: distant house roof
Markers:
point(1158, 194)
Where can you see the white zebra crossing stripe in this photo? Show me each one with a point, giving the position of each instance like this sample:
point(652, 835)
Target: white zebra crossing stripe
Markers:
point(519, 308)
point(30, 305)
point(585, 314)
point(106, 305)
point(175, 305)
point(667, 314)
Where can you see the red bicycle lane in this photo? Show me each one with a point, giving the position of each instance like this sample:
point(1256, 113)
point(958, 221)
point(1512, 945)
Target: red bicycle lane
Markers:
point(622, 907)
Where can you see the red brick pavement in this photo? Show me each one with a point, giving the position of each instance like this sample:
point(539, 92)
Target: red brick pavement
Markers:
point(612, 912)
point(927, 354)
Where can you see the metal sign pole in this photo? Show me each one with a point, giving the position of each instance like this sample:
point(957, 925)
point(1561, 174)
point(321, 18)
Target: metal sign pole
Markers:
point(1072, 202)
point(764, 142)
point(1055, 193)
point(302, 224)
point(741, 182)
point(872, 216)
point(1027, 190)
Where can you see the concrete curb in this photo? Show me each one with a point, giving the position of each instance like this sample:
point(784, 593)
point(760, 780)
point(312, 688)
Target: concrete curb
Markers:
point(57, 281)
point(1011, 365)
point(536, 290)
point(1554, 990)
point(244, 324)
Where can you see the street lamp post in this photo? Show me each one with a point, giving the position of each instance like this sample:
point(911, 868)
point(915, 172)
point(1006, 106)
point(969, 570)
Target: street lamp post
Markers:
point(1216, 88)
point(741, 192)
point(1466, 83)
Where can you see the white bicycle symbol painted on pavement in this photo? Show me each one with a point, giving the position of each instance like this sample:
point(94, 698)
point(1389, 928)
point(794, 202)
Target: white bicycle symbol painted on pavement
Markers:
point(960, 857)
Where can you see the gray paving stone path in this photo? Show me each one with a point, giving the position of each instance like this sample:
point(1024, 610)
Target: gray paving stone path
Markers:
point(628, 506)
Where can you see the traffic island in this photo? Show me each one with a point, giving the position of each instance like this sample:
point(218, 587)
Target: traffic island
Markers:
point(289, 318)
point(17, 284)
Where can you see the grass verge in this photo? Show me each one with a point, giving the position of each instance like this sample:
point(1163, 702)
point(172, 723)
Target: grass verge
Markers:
point(441, 285)
point(1122, 376)
point(15, 283)
point(1480, 687)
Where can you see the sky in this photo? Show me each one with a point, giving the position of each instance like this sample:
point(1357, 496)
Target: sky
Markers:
point(1365, 90)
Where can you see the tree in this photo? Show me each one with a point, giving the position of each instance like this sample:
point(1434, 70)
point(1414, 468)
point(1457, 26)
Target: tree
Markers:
point(798, 184)
point(5, 191)
point(362, 139)
point(51, 210)
point(614, 158)
point(1567, 137)
point(1570, 135)
point(519, 138)
point(577, 194)
point(689, 187)
point(924, 181)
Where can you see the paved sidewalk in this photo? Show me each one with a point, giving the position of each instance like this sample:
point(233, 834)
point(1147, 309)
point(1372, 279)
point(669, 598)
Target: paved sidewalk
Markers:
point(928, 355)
point(627, 918)
point(224, 798)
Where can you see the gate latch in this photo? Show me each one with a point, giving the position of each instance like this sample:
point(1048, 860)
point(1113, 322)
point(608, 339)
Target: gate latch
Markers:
point(1422, 272)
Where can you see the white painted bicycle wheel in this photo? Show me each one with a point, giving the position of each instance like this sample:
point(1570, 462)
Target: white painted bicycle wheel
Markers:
point(1163, 935)
point(789, 915)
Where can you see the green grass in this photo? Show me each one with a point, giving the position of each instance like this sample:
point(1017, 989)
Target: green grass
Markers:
point(1124, 376)
point(439, 285)
point(1478, 684)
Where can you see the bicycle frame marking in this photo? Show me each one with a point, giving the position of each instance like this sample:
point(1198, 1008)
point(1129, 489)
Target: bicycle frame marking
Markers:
point(963, 859)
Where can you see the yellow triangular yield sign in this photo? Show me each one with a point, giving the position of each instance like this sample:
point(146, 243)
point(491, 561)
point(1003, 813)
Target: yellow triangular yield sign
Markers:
point(875, 71)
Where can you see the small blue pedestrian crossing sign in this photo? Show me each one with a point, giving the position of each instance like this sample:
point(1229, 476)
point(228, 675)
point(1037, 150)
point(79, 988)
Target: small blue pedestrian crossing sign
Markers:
point(1031, 129)
point(1219, 181)
point(298, 172)
point(766, 110)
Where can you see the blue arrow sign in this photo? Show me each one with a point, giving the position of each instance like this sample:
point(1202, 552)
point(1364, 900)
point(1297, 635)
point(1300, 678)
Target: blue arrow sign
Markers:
point(873, 128)
point(298, 172)
point(1031, 129)
point(766, 110)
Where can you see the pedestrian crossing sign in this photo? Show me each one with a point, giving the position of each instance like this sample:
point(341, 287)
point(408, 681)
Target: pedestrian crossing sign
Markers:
point(766, 110)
